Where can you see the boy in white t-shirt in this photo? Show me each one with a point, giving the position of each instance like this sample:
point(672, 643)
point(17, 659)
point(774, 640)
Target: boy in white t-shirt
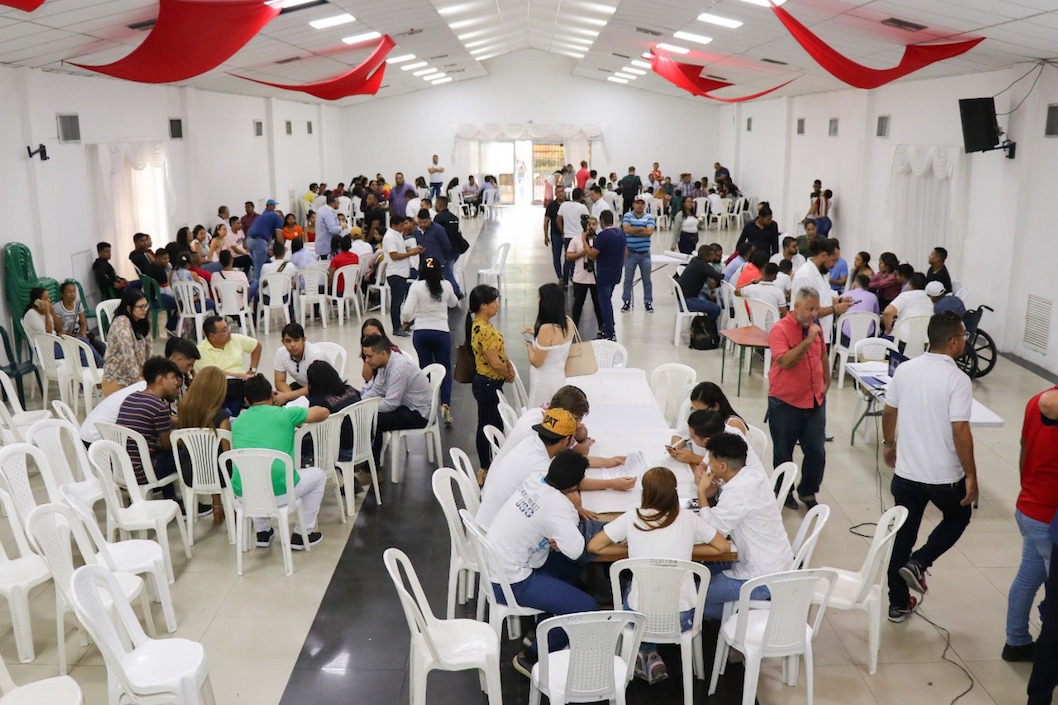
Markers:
point(767, 289)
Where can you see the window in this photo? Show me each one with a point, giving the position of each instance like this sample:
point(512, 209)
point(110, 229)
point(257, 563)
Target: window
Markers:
point(290, 127)
point(800, 126)
point(883, 126)
point(749, 124)
point(258, 128)
point(832, 131)
point(308, 126)
point(1051, 130)
point(69, 128)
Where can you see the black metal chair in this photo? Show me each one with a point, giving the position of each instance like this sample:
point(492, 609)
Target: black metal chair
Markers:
point(17, 370)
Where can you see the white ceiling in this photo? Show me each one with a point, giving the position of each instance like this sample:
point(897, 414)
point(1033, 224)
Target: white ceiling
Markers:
point(459, 36)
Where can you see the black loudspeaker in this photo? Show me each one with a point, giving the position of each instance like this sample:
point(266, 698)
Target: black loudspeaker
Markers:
point(980, 131)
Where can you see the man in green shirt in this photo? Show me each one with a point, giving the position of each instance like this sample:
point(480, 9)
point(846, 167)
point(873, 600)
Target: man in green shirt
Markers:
point(263, 425)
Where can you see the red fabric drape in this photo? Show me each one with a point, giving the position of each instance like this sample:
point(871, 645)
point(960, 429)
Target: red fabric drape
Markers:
point(844, 69)
point(24, 5)
point(686, 76)
point(190, 38)
point(365, 79)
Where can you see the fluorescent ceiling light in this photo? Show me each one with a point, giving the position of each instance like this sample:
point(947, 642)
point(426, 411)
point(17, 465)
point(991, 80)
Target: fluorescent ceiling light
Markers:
point(577, 40)
point(487, 56)
point(615, 79)
point(696, 38)
point(470, 35)
point(423, 72)
point(470, 22)
point(287, 4)
point(586, 32)
point(358, 38)
point(439, 81)
point(597, 7)
point(764, 3)
point(597, 21)
point(400, 59)
point(626, 76)
point(434, 77)
point(485, 50)
point(641, 64)
point(637, 72)
point(574, 54)
point(326, 22)
point(718, 20)
point(646, 55)
point(453, 9)
point(476, 43)
point(411, 67)
point(673, 48)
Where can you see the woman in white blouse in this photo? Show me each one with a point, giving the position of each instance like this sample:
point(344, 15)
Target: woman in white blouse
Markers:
point(548, 343)
point(425, 311)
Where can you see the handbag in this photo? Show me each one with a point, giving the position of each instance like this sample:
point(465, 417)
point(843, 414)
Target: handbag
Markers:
point(465, 366)
point(581, 360)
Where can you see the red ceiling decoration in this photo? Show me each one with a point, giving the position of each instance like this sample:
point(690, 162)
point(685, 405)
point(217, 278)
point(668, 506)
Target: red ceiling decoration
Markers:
point(190, 38)
point(860, 76)
point(687, 77)
point(364, 79)
point(24, 5)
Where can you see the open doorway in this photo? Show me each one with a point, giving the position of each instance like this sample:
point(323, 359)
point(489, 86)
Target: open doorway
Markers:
point(548, 157)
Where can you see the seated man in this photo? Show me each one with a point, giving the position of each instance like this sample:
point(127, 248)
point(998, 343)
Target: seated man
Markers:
point(148, 414)
point(694, 279)
point(344, 258)
point(745, 511)
point(292, 360)
point(225, 349)
point(765, 289)
point(472, 194)
point(735, 264)
point(913, 302)
point(402, 386)
point(300, 256)
point(573, 400)
point(863, 300)
point(753, 270)
point(540, 514)
point(180, 350)
point(938, 270)
point(532, 456)
point(784, 278)
point(789, 252)
point(942, 301)
point(107, 279)
point(264, 425)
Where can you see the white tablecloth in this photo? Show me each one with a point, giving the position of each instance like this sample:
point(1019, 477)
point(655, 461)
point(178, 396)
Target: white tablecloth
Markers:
point(621, 441)
point(619, 398)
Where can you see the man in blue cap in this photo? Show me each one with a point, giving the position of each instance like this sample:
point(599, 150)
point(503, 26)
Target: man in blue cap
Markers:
point(266, 226)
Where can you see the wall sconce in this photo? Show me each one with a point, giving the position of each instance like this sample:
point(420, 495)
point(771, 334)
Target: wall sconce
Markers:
point(41, 150)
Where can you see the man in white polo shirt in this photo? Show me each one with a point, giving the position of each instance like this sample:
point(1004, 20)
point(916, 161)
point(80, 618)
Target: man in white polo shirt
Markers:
point(913, 302)
point(823, 253)
point(927, 410)
point(292, 361)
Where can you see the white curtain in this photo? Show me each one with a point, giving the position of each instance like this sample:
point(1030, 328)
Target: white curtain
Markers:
point(576, 139)
point(921, 194)
point(132, 194)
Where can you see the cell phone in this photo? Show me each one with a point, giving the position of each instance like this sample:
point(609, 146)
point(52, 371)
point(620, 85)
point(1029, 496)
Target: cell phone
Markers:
point(527, 337)
point(677, 445)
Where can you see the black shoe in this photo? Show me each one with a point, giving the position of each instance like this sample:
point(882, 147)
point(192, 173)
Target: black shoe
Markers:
point(204, 510)
point(297, 543)
point(809, 500)
point(627, 307)
point(790, 502)
point(649, 308)
point(899, 614)
point(264, 538)
point(524, 662)
point(1023, 652)
point(915, 577)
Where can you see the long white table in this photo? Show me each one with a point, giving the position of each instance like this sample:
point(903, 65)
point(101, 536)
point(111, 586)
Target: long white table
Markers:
point(619, 398)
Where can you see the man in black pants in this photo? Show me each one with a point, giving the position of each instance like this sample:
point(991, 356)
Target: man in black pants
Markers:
point(1045, 656)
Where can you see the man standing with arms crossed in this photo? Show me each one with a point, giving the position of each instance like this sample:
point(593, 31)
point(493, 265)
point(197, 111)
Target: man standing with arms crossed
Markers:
point(638, 226)
point(437, 177)
point(927, 410)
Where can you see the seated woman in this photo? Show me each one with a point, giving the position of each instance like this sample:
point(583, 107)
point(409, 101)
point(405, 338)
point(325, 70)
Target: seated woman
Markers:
point(705, 395)
point(658, 529)
point(74, 322)
point(40, 316)
point(202, 406)
point(328, 390)
point(182, 273)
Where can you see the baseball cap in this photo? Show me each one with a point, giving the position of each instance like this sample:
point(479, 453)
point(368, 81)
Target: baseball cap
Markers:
point(356, 230)
point(935, 288)
point(639, 197)
point(566, 470)
point(271, 202)
point(557, 423)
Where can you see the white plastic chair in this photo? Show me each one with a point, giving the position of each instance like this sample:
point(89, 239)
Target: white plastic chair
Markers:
point(724, 214)
point(491, 570)
point(661, 218)
point(521, 397)
point(495, 438)
point(682, 313)
point(448, 645)
point(186, 294)
point(203, 448)
point(52, 369)
point(60, 690)
point(499, 266)
point(312, 291)
point(873, 350)
point(784, 476)
point(490, 202)
point(701, 206)
point(912, 332)
point(63, 411)
point(108, 460)
point(364, 416)
point(599, 662)
point(507, 413)
point(462, 564)
point(87, 374)
point(609, 354)
point(804, 543)
point(758, 441)
point(279, 288)
point(457, 203)
point(782, 630)
point(381, 286)
point(659, 582)
point(326, 438)
point(139, 669)
point(124, 437)
point(258, 499)
point(15, 460)
point(673, 380)
point(431, 433)
point(727, 314)
point(738, 210)
point(233, 299)
point(861, 325)
point(49, 528)
point(350, 277)
point(336, 355)
point(60, 441)
point(862, 589)
point(16, 419)
point(19, 575)
point(141, 557)
point(105, 316)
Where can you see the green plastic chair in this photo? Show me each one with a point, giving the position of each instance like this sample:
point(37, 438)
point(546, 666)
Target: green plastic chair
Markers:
point(89, 312)
point(154, 297)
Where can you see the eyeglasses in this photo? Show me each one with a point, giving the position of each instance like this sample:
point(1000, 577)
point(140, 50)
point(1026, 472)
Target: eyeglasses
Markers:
point(142, 307)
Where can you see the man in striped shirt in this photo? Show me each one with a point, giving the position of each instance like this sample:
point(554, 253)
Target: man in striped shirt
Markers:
point(638, 226)
point(148, 414)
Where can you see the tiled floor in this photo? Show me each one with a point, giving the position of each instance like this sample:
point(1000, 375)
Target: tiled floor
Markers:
point(333, 632)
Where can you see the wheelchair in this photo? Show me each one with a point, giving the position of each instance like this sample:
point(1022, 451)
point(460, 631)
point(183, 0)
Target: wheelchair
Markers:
point(980, 354)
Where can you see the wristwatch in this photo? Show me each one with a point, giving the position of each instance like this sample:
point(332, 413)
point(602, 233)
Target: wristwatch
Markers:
point(253, 370)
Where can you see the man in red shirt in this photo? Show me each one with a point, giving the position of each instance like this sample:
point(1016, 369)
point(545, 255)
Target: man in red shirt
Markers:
point(583, 175)
point(797, 391)
point(1035, 509)
point(343, 258)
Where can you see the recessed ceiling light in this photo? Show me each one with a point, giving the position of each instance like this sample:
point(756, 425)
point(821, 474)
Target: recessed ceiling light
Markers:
point(764, 3)
point(696, 38)
point(412, 67)
point(673, 48)
point(334, 21)
point(615, 79)
point(433, 77)
point(439, 81)
point(641, 64)
point(722, 21)
point(597, 7)
point(423, 72)
point(626, 76)
point(637, 72)
point(400, 59)
point(358, 38)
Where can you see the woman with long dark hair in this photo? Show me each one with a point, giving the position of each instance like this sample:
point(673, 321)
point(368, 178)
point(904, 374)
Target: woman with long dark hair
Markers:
point(884, 283)
point(329, 390)
point(705, 396)
point(491, 366)
point(659, 529)
point(548, 343)
point(861, 265)
point(426, 311)
point(128, 342)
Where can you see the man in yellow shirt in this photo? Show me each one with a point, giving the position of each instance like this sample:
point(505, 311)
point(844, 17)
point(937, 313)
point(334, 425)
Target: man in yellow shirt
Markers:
point(225, 350)
point(310, 195)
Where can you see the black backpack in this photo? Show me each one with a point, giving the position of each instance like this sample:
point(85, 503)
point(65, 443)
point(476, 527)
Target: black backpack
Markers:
point(704, 335)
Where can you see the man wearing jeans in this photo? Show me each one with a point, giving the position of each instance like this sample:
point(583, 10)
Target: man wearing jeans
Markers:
point(608, 250)
point(797, 393)
point(638, 226)
point(398, 267)
point(927, 411)
point(264, 227)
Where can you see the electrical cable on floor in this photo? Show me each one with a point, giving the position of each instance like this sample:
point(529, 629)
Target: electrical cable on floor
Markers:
point(878, 477)
point(944, 655)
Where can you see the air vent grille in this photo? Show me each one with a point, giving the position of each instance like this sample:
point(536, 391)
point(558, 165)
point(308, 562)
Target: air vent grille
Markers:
point(410, 33)
point(176, 129)
point(644, 30)
point(69, 128)
point(904, 24)
point(1038, 314)
point(289, 61)
point(774, 61)
point(439, 56)
point(621, 56)
point(715, 77)
point(145, 25)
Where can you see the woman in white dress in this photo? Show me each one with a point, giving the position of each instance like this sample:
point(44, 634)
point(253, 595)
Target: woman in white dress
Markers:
point(548, 343)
